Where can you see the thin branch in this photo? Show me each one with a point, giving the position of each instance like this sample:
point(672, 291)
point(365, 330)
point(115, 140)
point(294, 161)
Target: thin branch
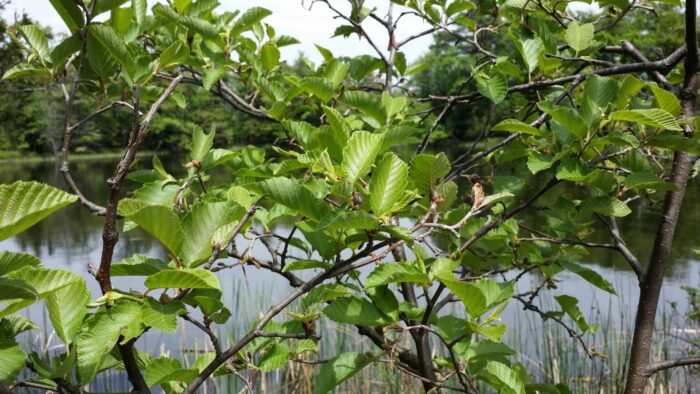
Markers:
point(621, 246)
point(658, 65)
point(663, 365)
point(207, 330)
point(528, 305)
point(352, 263)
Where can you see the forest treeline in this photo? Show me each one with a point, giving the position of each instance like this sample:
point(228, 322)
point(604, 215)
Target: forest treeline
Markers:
point(31, 111)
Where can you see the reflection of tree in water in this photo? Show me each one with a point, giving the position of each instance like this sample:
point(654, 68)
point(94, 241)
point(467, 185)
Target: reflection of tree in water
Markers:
point(73, 235)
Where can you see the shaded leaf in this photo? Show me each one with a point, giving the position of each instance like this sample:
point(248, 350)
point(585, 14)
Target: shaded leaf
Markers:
point(340, 369)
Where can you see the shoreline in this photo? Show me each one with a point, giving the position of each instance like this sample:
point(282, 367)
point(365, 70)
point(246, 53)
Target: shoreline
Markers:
point(32, 158)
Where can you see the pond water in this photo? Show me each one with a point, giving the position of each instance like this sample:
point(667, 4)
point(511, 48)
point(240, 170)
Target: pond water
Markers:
point(71, 239)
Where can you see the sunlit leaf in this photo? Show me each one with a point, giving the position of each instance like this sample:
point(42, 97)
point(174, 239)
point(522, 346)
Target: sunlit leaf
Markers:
point(22, 204)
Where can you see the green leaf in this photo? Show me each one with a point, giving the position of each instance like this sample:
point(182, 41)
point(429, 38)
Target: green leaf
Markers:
point(653, 117)
point(200, 26)
point(13, 289)
point(355, 310)
point(346, 220)
point(249, 18)
point(579, 37)
point(65, 49)
point(270, 56)
point(199, 226)
point(399, 232)
point(589, 275)
point(605, 205)
point(137, 265)
point(537, 162)
point(99, 335)
point(69, 11)
point(493, 87)
point(26, 70)
point(506, 376)
point(530, 49)
point(45, 281)
point(570, 306)
point(318, 87)
point(139, 7)
point(22, 204)
point(403, 272)
point(201, 143)
point(359, 154)
point(393, 105)
point(13, 359)
point(647, 180)
point(567, 117)
point(323, 293)
point(211, 76)
point(186, 278)
point(290, 193)
point(495, 198)
point(165, 369)
point(335, 72)
point(12, 261)
point(106, 5)
point(160, 222)
point(115, 45)
point(367, 103)
point(67, 307)
point(304, 264)
point(457, 6)
point(340, 369)
point(516, 126)
point(173, 55)
point(572, 170)
point(471, 296)
point(163, 317)
point(275, 357)
point(37, 40)
point(666, 100)
point(14, 325)
point(428, 170)
point(598, 93)
point(388, 183)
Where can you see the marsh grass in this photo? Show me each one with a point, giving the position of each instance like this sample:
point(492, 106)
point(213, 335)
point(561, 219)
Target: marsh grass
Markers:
point(545, 350)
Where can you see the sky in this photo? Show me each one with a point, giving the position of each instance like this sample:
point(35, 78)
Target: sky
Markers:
point(309, 24)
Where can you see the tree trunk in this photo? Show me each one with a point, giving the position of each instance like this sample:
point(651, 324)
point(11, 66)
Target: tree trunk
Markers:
point(652, 280)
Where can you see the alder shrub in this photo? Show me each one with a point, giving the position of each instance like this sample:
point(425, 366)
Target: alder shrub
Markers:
point(392, 230)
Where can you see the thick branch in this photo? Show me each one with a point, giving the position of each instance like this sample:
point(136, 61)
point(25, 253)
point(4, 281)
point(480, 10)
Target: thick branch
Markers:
point(653, 278)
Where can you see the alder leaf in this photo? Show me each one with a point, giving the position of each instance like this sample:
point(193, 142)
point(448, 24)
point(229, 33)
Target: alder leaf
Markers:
point(23, 204)
point(359, 154)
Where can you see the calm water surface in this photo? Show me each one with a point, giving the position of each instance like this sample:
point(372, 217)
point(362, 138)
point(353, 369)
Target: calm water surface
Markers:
point(71, 239)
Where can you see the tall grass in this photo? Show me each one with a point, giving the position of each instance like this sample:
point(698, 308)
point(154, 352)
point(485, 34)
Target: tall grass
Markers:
point(544, 349)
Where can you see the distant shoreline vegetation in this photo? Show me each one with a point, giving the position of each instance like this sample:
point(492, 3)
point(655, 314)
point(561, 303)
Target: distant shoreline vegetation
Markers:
point(27, 157)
